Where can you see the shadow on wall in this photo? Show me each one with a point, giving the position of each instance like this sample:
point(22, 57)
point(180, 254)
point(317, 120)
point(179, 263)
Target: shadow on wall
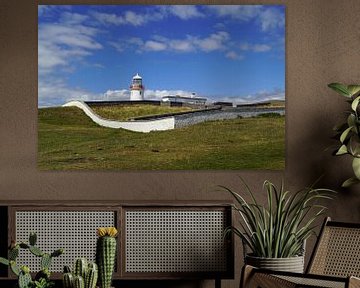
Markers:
point(312, 160)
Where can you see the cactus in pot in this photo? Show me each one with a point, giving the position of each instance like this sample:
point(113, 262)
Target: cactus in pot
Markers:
point(42, 278)
point(91, 276)
point(106, 254)
point(85, 275)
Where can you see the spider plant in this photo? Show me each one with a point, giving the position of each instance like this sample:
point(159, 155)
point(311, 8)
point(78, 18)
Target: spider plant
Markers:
point(279, 229)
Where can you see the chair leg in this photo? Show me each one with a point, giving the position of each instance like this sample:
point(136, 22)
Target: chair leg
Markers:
point(250, 278)
point(246, 274)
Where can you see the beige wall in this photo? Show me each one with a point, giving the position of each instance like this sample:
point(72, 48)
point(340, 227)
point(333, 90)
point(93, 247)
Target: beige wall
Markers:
point(322, 46)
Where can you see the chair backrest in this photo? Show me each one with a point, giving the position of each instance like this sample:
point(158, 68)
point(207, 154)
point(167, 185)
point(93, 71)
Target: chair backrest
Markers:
point(337, 251)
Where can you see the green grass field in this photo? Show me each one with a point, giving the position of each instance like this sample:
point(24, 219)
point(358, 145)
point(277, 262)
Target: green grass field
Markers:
point(68, 139)
point(131, 111)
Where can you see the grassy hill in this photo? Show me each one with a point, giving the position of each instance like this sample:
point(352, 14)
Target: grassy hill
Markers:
point(126, 112)
point(68, 139)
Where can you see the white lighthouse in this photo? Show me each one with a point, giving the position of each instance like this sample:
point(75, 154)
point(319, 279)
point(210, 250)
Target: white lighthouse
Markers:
point(136, 88)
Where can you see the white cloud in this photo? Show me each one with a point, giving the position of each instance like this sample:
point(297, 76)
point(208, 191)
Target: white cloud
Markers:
point(233, 55)
point(261, 96)
point(73, 18)
point(154, 46)
point(238, 12)
point(116, 95)
point(126, 18)
point(255, 47)
point(181, 45)
point(135, 19)
point(261, 48)
point(108, 18)
point(65, 43)
point(213, 42)
point(269, 18)
point(48, 10)
point(158, 94)
point(184, 12)
point(56, 93)
point(61, 47)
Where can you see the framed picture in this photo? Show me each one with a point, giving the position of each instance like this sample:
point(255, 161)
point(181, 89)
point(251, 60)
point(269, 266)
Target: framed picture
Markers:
point(161, 87)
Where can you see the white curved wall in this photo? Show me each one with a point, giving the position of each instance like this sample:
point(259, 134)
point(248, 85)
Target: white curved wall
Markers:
point(137, 126)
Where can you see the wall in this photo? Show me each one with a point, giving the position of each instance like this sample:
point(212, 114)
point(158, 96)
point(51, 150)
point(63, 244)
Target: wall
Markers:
point(322, 46)
point(187, 119)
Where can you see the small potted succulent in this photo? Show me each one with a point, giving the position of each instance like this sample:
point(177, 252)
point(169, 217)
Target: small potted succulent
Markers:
point(349, 131)
point(275, 233)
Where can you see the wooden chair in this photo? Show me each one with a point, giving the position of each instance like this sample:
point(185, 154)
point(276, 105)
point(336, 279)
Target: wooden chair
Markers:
point(334, 263)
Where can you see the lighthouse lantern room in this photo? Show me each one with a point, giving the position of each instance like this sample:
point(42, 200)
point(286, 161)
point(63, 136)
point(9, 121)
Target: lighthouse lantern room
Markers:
point(136, 88)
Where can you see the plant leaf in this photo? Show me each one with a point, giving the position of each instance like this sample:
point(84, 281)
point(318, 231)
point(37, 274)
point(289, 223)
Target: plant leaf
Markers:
point(351, 119)
point(349, 182)
point(342, 150)
point(356, 167)
point(340, 88)
point(353, 89)
point(4, 261)
point(345, 134)
point(355, 103)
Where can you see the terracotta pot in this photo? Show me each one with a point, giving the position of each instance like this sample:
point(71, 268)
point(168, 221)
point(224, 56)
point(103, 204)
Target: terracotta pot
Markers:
point(291, 264)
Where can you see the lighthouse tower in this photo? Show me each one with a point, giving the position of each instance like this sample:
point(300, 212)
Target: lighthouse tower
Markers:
point(136, 88)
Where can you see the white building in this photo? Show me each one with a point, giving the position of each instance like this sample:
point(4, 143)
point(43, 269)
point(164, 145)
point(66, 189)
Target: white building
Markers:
point(136, 89)
point(192, 100)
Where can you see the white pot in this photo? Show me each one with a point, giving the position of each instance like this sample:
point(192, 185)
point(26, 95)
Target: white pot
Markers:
point(291, 264)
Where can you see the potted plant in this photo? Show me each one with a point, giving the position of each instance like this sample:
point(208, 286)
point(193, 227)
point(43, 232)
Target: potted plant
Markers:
point(106, 254)
point(276, 233)
point(349, 132)
point(42, 278)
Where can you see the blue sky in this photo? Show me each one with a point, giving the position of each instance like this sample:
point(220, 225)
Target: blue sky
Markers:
point(221, 52)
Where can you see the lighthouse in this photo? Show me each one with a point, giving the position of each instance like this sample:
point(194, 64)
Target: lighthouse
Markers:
point(136, 88)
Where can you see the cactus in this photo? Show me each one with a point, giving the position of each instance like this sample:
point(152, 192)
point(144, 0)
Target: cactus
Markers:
point(89, 272)
point(57, 252)
point(45, 261)
point(36, 251)
point(42, 278)
point(79, 282)
point(32, 239)
point(24, 245)
point(67, 269)
point(24, 280)
point(91, 276)
point(43, 274)
point(14, 268)
point(105, 254)
point(80, 267)
point(68, 280)
point(13, 253)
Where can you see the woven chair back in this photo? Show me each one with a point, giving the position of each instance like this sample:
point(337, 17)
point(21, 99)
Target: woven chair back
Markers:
point(337, 252)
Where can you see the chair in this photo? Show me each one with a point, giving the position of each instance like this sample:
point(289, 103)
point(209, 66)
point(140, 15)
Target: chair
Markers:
point(334, 263)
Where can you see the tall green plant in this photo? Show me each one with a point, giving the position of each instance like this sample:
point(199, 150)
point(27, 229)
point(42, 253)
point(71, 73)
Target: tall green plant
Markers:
point(279, 229)
point(349, 131)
